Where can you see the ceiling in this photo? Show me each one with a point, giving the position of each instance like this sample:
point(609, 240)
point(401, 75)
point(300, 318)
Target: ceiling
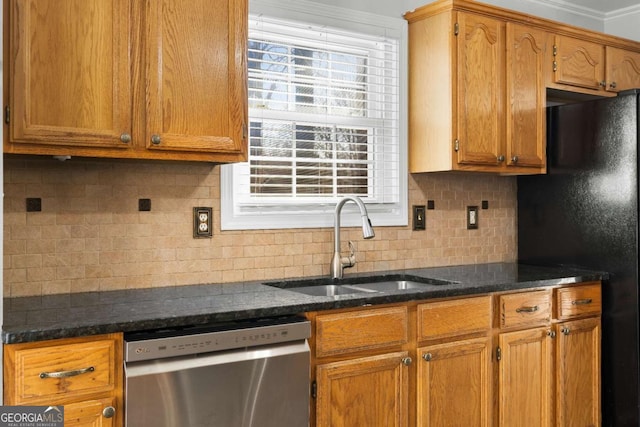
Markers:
point(604, 7)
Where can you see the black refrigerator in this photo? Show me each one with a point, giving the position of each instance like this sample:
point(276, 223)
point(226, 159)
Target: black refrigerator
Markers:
point(584, 213)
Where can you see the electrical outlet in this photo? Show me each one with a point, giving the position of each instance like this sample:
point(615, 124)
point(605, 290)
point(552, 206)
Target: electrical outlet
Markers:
point(472, 217)
point(419, 220)
point(202, 222)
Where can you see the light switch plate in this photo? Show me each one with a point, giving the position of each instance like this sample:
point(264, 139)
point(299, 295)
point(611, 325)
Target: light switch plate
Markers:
point(472, 217)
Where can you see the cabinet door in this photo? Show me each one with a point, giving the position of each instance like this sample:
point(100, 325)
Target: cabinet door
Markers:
point(454, 384)
point(526, 96)
point(368, 391)
point(89, 413)
point(578, 373)
point(196, 72)
point(525, 378)
point(480, 90)
point(70, 82)
point(578, 63)
point(623, 69)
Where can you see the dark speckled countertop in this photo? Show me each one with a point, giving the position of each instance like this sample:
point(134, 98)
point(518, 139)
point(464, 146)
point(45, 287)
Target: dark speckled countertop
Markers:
point(71, 315)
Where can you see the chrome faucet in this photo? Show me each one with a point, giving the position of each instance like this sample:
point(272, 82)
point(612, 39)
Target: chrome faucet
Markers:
point(338, 263)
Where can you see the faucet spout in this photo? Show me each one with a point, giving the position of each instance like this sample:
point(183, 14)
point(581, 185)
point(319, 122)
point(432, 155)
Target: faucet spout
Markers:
point(338, 263)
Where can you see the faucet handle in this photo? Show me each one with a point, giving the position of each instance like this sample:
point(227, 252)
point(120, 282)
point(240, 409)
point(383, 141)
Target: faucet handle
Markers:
point(352, 249)
point(349, 261)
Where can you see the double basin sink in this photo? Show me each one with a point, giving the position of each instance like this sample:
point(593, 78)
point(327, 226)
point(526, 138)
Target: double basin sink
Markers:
point(331, 288)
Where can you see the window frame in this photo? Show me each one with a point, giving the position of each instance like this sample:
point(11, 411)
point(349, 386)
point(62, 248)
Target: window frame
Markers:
point(309, 213)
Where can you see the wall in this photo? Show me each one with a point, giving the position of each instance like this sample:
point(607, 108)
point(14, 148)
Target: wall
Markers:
point(624, 25)
point(90, 236)
point(537, 8)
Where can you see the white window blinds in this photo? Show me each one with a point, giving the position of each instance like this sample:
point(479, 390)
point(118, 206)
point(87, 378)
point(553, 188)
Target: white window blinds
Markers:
point(324, 119)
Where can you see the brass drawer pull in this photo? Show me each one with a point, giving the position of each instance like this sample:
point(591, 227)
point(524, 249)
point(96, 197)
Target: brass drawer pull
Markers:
point(527, 309)
point(66, 374)
point(584, 301)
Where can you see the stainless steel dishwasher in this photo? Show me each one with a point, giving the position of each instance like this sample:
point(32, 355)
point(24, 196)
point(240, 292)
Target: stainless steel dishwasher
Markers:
point(239, 374)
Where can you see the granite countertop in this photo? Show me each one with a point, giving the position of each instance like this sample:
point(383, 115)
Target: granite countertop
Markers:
point(70, 315)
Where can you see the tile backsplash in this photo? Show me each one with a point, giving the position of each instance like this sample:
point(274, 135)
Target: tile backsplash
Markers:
point(90, 236)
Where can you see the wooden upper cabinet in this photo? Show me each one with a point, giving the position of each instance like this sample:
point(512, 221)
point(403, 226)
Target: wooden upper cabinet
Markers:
point(155, 79)
point(578, 62)
point(622, 69)
point(70, 82)
point(196, 73)
point(526, 96)
point(593, 67)
point(480, 89)
point(486, 111)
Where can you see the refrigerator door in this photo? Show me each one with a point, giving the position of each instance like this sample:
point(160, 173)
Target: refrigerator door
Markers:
point(584, 212)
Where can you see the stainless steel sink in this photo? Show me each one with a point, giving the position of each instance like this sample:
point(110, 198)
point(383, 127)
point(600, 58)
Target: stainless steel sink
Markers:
point(398, 285)
point(330, 290)
point(362, 285)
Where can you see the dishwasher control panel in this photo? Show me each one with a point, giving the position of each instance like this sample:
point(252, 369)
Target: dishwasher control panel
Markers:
point(206, 339)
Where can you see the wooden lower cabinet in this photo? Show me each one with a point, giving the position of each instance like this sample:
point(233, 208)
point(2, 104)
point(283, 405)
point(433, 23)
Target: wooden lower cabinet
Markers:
point(367, 391)
point(578, 373)
point(517, 359)
point(524, 390)
point(454, 384)
point(89, 413)
point(82, 374)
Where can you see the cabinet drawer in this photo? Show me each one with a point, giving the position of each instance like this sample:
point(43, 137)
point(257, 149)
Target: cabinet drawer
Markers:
point(453, 318)
point(366, 329)
point(578, 301)
point(525, 309)
point(61, 371)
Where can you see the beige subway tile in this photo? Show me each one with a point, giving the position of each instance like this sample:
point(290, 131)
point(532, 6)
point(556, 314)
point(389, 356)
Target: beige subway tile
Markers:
point(84, 285)
point(232, 276)
point(26, 261)
point(113, 283)
point(24, 289)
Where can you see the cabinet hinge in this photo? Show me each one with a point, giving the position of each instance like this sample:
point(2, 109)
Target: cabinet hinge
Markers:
point(498, 354)
point(6, 114)
point(314, 389)
point(456, 145)
point(555, 50)
point(456, 29)
point(244, 131)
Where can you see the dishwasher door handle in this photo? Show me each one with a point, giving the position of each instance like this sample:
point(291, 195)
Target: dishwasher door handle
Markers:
point(173, 364)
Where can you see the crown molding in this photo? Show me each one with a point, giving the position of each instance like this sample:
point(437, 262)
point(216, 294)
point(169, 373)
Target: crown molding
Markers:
point(576, 9)
point(572, 8)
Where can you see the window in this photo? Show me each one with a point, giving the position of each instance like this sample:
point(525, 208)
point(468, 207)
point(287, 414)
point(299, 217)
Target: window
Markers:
point(324, 113)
